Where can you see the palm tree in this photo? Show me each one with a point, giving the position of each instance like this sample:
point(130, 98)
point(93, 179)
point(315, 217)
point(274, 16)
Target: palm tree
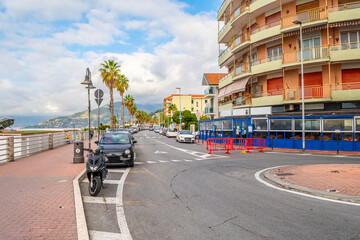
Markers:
point(172, 108)
point(109, 73)
point(129, 102)
point(133, 110)
point(122, 84)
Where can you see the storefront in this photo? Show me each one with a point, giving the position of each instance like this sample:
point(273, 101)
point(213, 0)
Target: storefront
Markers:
point(321, 132)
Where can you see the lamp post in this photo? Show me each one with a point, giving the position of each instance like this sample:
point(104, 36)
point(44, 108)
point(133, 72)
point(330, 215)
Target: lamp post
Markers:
point(302, 85)
point(89, 86)
point(180, 105)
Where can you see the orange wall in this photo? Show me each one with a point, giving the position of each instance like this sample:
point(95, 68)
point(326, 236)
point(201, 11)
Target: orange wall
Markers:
point(290, 53)
point(288, 14)
point(291, 82)
point(262, 82)
point(324, 38)
point(260, 20)
point(261, 52)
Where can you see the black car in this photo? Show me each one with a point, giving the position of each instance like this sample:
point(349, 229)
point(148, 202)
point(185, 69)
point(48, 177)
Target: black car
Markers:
point(118, 147)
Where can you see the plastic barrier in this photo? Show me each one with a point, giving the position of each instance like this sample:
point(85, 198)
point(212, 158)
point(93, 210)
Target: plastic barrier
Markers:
point(219, 144)
point(255, 144)
point(239, 144)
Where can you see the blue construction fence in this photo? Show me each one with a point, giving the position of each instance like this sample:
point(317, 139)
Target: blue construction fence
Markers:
point(321, 132)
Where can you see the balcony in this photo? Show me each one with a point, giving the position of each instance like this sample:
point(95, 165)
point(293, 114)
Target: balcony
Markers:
point(316, 92)
point(222, 8)
point(266, 65)
point(224, 55)
point(226, 80)
point(309, 18)
point(265, 31)
point(345, 52)
point(259, 7)
point(345, 92)
point(267, 99)
point(242, 70)
point(210, 91)
point(316, 54)
point(209, 110)
point(224, 32)
point(344, 12)
point(239, 16)
point(240, 42)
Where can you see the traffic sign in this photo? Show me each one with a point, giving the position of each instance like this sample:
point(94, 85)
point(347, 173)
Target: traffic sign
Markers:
point(99, 93)
point(98, 101)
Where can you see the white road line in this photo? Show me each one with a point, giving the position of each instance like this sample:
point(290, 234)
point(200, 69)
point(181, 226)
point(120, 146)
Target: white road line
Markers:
point(162, 161)
point(188, 160)
point(105, 182)
point(150, 162)
point(139, 163)
point(200, 159)
point(116, 170)
point(173, 160)
point(97, 235)
point(102, 200)
point(124, 229)
point(257, 176)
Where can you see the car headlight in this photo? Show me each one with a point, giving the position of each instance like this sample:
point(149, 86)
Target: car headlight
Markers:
point(127, 151)
point(94, 168)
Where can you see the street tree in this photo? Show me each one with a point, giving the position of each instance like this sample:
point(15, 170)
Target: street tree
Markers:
point(122, 84)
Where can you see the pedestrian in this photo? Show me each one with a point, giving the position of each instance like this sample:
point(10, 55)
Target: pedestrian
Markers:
point(91, 134)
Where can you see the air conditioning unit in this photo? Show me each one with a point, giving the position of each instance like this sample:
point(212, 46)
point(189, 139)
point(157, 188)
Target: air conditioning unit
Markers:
point(291, 94)
point(289, 108)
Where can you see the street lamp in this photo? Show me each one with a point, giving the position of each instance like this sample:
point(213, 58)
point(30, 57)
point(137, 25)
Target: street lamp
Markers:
point(89, 86)
point(180, 104)
point(302, 85)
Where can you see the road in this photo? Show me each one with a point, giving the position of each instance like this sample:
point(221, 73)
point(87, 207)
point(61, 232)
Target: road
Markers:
point(177, 191)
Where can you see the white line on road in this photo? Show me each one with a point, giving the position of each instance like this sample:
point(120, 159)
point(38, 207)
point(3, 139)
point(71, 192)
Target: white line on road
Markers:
point(124, 229)
point(162, 161)
point(188, 160)
point(257, 176)
point(106, 181)
point(116, 170)
point(150, 162)
point(139, 163)
point(102, 200)
point(95, 235)
point(173, 160)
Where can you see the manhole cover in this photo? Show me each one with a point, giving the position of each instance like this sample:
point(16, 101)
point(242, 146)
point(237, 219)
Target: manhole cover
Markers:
point(284, 174)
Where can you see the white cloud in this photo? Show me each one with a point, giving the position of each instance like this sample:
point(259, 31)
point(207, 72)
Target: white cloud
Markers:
point(45, 74)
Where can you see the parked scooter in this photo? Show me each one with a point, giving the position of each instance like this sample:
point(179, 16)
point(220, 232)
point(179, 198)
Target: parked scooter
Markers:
point(96, 170)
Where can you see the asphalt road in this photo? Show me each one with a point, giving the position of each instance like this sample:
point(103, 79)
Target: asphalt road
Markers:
point(177, 191)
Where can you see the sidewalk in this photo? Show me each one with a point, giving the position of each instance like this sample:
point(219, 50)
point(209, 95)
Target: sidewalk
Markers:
point(37, 199)
point(336, 181)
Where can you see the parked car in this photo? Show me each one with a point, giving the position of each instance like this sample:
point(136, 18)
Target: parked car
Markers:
point(156, 129)
point(171, 133)
point(185, 136)
point(118, 147)
point(164, 131)
point(151, 129)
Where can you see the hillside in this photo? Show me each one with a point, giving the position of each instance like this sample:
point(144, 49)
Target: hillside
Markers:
point(80, 119)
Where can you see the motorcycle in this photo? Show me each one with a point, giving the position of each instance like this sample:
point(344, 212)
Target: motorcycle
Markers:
point(96, 170)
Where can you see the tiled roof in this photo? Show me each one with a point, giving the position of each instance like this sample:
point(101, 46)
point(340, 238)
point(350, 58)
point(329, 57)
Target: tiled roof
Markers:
point(198, 96)
point(214, 78)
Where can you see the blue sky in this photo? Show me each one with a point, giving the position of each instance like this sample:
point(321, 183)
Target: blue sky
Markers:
point(46, 47)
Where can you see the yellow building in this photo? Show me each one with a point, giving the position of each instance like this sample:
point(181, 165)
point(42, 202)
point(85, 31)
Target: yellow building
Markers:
point(193, 103)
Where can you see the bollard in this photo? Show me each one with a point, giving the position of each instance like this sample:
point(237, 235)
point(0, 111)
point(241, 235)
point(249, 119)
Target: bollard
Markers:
point(78, 152)
point(51, 141)
point(10, 149)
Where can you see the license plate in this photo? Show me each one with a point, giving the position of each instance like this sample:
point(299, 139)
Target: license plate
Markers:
point(187, 139)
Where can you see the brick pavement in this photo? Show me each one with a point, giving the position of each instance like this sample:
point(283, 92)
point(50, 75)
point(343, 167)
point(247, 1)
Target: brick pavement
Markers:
point(37, 200)
point(344, 178)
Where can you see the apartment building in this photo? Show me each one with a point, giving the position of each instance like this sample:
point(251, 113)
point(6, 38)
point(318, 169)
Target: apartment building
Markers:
point(193, 103)
point(261, 94)
point(211, 93)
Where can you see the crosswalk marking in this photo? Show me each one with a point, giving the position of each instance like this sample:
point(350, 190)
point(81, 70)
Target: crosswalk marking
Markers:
point(107, 200)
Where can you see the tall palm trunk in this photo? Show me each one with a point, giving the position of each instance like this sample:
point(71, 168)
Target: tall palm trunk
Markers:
point(111, 110)
point(122, 110)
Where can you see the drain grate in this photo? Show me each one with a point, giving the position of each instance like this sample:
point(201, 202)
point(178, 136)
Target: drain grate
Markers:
point(284, 174)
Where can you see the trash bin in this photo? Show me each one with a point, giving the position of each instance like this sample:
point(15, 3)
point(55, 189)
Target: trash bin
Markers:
point(78, 152)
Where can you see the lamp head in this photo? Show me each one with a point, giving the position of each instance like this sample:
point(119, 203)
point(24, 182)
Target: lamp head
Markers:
point(297, 22)
point(87, 80)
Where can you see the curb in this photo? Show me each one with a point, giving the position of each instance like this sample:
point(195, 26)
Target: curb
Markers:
point(293, 187)
point(81, 226)
point(314, 153)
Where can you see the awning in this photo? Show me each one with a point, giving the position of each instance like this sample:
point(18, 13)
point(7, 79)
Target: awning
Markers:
point(238, 86)
point(222, 91)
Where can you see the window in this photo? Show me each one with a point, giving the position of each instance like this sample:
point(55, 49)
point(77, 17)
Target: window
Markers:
point(350, 40)
point(357, 124)
point(280, 124)
point(192, 101)
point(310, 125)
point(227, 125)
point(260, 124)
point(254, 57)
point(274, 53)
point(218, 125)
point(197, 104)
point(332, 125)
point(205, 101)
point(192, 109)
point(311, 48)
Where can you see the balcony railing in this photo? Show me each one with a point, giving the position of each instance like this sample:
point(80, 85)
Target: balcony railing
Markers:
point(304, 16)
point(346, 6)
point(210, 90)
point(309, 54)
point(266, 26)
point(268, 59)
point(240, 10)
point(209, 110)
point(346, 86)
point(240, 39)
point(225, 77)
point(346, 46)
point(224, 51)
point(223, 28)
point(241, 69)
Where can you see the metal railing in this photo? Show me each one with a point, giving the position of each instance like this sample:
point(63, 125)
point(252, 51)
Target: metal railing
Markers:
point(240, 10)
point(305, 16)
point(223, 52)
point(268, 59)
point(209, 110)
point(241, 69)
point(229, 74)
point(345, 46)
point(309, 54)
point(345, 86)
point(209, 90)
point(265, 26)
point(345, 6)
point(17, 146)
point(244, 37)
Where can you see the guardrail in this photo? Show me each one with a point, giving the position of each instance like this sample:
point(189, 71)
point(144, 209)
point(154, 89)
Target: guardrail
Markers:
point(233, 144)
point(18, 146)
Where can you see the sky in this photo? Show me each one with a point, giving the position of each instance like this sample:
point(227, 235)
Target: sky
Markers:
point(46, 46)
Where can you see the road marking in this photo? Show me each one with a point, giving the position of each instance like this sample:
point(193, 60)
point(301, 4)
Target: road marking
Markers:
point(159, 152)
point(105, 181)
point(188, 160)
point(257, 176)
point(150, 162)
point(162, 161)
point(102, 200)
point(116, 170)
point(200, 159)
point(95, 235)
point(139, 163)
point(124, 229)
point(175, 160)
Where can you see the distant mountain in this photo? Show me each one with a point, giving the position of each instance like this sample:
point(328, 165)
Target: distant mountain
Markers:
point(23, 121)
point(80, 119)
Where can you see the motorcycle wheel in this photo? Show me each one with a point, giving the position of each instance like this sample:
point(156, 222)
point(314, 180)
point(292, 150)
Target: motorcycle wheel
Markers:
point(95, 189)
